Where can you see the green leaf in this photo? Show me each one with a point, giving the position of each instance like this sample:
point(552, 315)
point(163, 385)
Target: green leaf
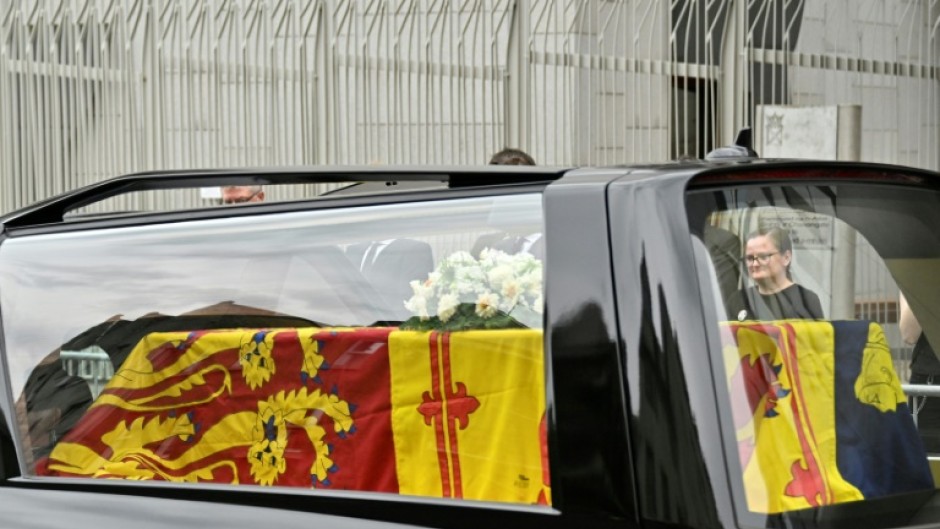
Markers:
point(465, 318)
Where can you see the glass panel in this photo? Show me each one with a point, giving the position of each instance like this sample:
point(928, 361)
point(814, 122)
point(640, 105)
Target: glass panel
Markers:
point(339, 349)
point(805, 285)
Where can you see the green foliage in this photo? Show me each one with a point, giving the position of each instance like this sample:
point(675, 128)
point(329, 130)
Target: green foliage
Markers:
point(465, 318)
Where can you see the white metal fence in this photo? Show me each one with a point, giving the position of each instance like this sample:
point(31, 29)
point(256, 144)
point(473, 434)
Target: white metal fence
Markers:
point(95, 88)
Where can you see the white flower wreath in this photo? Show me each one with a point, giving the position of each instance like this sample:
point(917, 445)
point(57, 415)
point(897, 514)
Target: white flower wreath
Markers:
point(497, 290)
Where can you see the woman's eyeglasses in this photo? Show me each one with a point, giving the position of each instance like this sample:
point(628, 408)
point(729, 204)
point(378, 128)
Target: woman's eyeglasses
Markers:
point(761, 258)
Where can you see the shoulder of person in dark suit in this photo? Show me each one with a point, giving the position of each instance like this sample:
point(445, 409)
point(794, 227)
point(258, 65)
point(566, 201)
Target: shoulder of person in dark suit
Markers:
point(403, 245)
point(487, 240)
point(725, 250)
point(537, 248)
point(414, 257)
point(811, 302)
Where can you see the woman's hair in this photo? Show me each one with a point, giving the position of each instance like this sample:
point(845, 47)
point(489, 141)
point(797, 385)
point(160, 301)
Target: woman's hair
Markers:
point(781, 239)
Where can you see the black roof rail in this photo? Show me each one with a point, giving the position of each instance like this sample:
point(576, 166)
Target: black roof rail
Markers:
point(55, 209)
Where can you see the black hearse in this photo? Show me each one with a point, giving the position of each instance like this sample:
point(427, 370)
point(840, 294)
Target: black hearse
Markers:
point(709, 344)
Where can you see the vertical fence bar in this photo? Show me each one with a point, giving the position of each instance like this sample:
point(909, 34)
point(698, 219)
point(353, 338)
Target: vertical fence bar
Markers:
point(517, 106)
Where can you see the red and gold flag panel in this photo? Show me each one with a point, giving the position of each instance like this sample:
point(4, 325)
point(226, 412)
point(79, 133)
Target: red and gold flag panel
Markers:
point(481, 404)
point(820, 415)
point(349, 409)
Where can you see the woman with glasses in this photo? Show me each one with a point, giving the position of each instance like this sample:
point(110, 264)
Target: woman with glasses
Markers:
point(774, 296)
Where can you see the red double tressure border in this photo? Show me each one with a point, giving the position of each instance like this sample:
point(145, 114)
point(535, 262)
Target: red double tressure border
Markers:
point(448, 411)
point(810, 483)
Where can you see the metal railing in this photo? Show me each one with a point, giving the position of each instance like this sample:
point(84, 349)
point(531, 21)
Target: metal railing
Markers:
point(94, 88)
point(92, 365)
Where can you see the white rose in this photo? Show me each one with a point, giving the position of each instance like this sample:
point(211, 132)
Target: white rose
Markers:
point(499, 275)
point(493, 258)
point(468, 280)
point(532, 282)
point(420, 289)
point(418, 305)
point(461, 258)
point(447, 306)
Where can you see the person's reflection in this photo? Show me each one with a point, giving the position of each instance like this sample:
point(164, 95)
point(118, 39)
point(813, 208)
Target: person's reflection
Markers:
point(724, 247)
point(390, 265)
point(242, 194)
point(51, 403)
point(774, 296)
point(925, 369)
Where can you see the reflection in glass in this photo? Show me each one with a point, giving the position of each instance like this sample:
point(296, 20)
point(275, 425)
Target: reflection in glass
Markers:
point(818, 409)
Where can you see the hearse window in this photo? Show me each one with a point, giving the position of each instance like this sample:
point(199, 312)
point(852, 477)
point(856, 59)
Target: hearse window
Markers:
point(391, 348)
point(822, 403)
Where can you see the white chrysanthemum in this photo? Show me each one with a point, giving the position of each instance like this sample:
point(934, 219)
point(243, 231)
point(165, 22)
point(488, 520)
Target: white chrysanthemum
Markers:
point(487, 304)
point(503, 258)
point(531, 282)
point(447, 306)
point(467, 290)
point(490, 258)
point(459, 259)
point(521, 258)
point(418, 305)
point(468, 279)
point(511, 291)
point(539, 304)
point(499, 275)
point(419, 288)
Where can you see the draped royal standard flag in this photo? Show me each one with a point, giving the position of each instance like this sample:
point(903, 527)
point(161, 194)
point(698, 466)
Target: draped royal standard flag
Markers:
point(468, 414)
point(820, 415)
point(270, 407)
point(879, 449)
